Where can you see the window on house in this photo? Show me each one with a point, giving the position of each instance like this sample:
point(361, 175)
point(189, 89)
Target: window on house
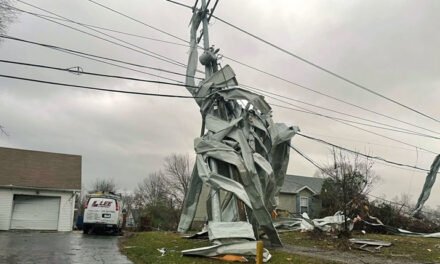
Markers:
point(304, 204)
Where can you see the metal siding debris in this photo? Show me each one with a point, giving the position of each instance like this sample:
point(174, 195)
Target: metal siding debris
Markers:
point(429, 182)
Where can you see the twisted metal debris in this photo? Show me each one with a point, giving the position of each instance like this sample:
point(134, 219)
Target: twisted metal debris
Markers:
point(242, 155)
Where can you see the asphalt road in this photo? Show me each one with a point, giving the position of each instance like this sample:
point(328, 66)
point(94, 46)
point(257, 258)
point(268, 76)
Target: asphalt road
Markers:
point(59, 247)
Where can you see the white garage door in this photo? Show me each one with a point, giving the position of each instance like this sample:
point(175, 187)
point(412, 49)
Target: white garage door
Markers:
point(35, 212)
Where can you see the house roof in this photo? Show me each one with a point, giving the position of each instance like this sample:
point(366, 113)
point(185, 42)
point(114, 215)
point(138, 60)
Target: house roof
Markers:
point(28, 168)
point(295, 183)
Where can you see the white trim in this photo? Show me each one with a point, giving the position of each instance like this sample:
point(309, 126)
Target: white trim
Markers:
point(304, 187)
point(38, 188)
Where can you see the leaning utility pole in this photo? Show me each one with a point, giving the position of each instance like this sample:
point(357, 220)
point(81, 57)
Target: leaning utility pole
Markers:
point(209, 60)
point(240, 150)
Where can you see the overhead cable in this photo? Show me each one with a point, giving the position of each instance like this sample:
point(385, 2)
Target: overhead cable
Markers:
point(394, 128)
point(93, 55)
point(106, 29)
point(96, 74)
point(326, 95)
point(362, 154)
point(101, 89)
point(264, 72)
point(137, 49)
point(138, 21)
point(327, 70)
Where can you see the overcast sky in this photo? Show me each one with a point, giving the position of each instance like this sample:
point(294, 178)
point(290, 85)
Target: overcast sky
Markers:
point(388, 46)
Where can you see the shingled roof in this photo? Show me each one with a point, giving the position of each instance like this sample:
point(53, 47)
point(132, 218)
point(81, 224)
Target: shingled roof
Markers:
point(28, 168)
point(295, 183)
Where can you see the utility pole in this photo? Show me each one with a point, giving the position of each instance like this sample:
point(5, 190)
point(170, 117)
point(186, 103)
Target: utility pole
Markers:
point(209, 60)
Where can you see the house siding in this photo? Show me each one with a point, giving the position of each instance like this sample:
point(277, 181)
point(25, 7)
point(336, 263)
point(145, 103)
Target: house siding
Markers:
point(5, 209)
point(287, 202)
point(67, 204)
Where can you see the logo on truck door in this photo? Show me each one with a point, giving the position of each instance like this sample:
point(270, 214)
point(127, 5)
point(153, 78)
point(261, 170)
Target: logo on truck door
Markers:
point(101, 203)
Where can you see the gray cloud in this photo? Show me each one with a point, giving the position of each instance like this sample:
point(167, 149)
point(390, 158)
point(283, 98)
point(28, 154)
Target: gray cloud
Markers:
point(389, 47)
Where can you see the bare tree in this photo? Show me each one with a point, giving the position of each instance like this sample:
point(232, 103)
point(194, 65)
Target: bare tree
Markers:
point(152, 191)
point(347, 183)
point(103, 185)
point(178, 174)
point(156, 204)
point(7, 14)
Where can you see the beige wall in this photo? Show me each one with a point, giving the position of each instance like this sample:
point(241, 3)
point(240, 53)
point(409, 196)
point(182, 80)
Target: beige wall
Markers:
point(287, 202)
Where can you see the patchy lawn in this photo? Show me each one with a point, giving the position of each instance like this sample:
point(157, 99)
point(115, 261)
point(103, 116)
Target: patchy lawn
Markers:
point(142, 248)
point(299, 248)
point(408, 249)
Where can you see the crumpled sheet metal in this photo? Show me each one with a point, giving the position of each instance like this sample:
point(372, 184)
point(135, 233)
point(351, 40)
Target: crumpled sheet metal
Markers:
point(332, 223)
point(369, 245)
point(230, 230)
point(326, 224)
point(295, 224)
point(429, 182)
point(243, 249)
point(259, 163)
point(241, 151)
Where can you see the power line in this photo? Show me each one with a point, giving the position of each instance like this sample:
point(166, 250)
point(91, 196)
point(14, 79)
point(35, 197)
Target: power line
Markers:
point(326, 70)
point(106, 29)
point(295, 109)
point(101, 89)
point(138, 21)
point(361, 154)
point(88, 54)
point(325, 95)
point(371, 132)
point(361, 141)
point(326, 172)
point(282, 106)
point(338, 119)
point(96, 74)
point(96, 56)
point(139, 49)
point(261, 71)
point(397, 129)
point(309, 159)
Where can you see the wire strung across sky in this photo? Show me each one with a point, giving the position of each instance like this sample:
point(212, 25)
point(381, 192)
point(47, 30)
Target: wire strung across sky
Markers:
point(393, 139)
point(136, 49)
point(108, 29)
point(103, 89)
point(96, 56)
point(373, 132)
point(174, 96)
point(342, 120)
point(327, 70)
point(264, 72)
point(327, 95)
point(247, 86)
point(327, 172)
point(96, 74)
point(65, 19)
point(130, 78)
point(362, 154)
point(307, 111)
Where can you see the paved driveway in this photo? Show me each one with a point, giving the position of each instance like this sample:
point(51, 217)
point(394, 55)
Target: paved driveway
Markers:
point(48, 247)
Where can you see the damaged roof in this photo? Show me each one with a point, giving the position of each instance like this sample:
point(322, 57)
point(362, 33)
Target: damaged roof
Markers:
point(294, 183)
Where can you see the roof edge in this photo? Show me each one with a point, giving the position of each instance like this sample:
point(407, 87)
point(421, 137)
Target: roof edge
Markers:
point(38, 188)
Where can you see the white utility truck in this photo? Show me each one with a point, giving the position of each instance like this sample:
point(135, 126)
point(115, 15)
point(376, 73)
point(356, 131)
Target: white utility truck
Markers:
point(103, 212)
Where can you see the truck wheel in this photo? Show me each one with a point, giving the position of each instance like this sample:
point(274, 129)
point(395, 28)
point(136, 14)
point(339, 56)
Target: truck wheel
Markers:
point(85, 230)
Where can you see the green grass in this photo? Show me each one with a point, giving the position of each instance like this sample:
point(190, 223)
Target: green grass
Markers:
point(142, 248)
